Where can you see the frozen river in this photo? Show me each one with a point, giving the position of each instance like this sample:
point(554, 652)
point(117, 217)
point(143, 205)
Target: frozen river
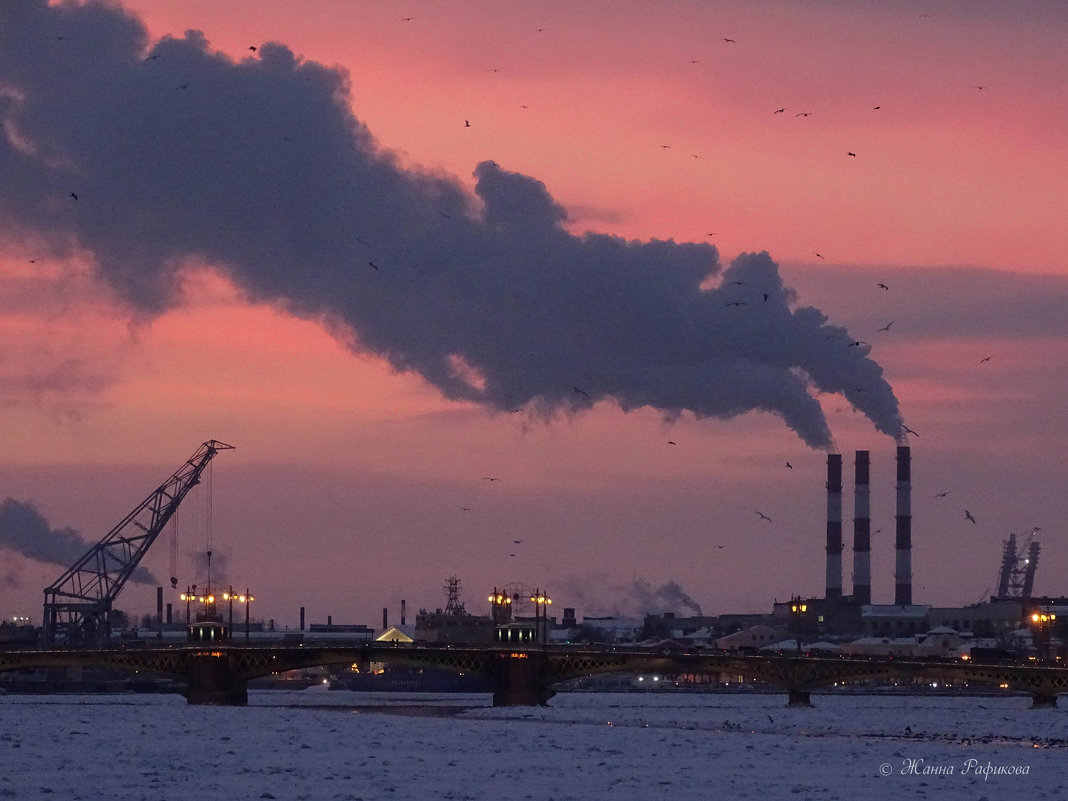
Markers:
point(342, 745)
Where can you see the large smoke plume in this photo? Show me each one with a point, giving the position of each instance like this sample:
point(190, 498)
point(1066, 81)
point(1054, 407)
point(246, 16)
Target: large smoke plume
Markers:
point(25, 530)
point(151, 156)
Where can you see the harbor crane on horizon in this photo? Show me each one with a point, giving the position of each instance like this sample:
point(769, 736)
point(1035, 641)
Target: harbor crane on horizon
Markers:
point(81, 599)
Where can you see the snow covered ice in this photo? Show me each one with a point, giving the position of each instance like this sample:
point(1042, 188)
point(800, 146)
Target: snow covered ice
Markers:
point(619, 746)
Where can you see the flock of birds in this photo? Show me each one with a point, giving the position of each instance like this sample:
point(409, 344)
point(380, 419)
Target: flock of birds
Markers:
point(738, 304)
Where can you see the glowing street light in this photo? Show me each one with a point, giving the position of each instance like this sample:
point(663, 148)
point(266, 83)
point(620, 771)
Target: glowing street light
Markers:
point(1041, 623)
point(501, 607)
point(798, 610)
point(541, 601)
point(188, 596)
point(246, 599)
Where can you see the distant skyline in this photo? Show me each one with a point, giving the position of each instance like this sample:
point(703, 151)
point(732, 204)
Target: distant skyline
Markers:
point(643, 277)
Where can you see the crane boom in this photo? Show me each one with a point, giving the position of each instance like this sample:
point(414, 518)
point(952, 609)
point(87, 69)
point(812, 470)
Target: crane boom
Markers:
point(82, 597)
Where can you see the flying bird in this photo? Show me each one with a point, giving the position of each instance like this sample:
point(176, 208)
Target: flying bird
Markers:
point(968, 516)
point(490, 478)
point(883, 287)
point(908, 430)
point(857, 343)
point(150, 58)
point(942, 494)
point(373, 264)
point(851, 153)
point(252, 48)
point(518, 542)
point(581, 391)
point(467, 123)
point(985, 359)
point(671, 442)
point(887, 326)
point(73, 195)
point(764, 516)
point(818, 255)
point(790, 465)
point(725, 39)
point(779, 110)
point(738, 303)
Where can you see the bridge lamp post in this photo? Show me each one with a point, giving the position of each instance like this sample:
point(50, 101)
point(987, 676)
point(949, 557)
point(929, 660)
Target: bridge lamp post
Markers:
point(188, 596)
point(1041, 622)
point(229, 596)
point(501, 607)
point(208, 604)
point(246, 599)
point(798, 610)
point(541, 601)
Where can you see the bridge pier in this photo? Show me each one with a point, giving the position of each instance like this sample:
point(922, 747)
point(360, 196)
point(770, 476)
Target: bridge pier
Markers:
point(211, 680)
point(1042, 701)
point(519, 680)
point(799, 698)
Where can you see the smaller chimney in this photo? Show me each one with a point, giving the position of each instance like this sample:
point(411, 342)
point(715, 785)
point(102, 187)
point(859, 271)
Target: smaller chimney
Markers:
point(903, 573)
point(862, 531)
point(834, 526)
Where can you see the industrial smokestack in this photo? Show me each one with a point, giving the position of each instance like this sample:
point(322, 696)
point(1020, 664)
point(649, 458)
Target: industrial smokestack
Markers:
point(903, 574)
point(834, 526)
point(385, 618)
point(862, 531)
point(403, 604)
point(302, 618)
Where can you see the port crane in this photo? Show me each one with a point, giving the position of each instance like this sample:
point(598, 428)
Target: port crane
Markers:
point(1016, 579)
point(79, 602)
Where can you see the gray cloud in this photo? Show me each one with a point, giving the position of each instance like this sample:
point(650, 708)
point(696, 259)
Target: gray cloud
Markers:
point(24, 530)
point(178, 154)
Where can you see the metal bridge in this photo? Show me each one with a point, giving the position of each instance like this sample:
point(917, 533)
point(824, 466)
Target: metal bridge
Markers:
point(219, 673)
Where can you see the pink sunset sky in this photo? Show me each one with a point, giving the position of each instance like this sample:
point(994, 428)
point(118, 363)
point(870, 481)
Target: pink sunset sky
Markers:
point(305, 250)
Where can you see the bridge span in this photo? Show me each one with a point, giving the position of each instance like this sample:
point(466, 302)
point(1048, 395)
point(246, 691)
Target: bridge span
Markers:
point(219, 673)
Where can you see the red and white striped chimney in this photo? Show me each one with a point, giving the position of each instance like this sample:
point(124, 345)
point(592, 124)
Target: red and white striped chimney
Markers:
point(903, 573)
point(862, 531)
point(834, 526)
